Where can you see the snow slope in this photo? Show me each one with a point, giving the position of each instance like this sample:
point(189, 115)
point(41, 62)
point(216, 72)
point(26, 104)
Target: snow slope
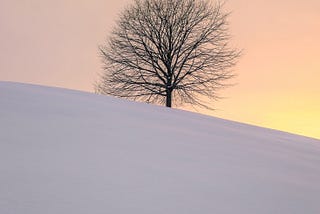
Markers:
point(70, 152)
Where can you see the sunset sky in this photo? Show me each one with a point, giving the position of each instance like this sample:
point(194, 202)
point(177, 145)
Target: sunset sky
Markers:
point(55, 43)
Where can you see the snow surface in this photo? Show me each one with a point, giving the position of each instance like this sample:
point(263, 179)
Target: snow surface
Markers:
point(71, 152)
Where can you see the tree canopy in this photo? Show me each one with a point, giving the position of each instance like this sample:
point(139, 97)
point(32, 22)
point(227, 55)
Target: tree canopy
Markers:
point(168, 52)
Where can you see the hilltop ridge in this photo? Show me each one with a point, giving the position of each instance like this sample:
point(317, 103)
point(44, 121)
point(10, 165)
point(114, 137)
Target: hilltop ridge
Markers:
point(65, 151)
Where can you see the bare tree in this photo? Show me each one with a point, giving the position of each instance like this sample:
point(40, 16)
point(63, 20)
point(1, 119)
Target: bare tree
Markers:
point(168, 50)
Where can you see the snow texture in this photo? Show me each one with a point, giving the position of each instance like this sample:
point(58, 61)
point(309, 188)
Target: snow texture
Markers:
point(71, 152)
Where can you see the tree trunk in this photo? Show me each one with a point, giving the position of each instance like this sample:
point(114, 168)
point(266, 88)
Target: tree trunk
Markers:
point(168, 98)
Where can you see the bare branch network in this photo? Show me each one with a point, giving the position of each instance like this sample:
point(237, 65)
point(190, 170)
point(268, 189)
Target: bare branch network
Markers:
point(168, 51)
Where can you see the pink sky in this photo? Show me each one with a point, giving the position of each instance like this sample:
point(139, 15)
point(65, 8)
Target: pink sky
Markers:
point(55, 43)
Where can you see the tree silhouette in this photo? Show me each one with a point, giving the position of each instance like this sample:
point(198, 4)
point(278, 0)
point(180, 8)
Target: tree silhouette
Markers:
point(168, 51)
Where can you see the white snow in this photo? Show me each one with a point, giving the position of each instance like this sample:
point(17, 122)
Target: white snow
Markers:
point(71, 152)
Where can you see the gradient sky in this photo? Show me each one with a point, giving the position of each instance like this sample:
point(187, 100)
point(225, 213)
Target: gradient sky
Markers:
point(278, 85)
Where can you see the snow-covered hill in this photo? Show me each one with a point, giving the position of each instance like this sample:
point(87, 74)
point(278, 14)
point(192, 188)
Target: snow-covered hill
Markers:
point(70, 152)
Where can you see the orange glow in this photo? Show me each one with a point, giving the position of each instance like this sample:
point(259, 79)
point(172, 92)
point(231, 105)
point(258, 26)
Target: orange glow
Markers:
point(278, 83)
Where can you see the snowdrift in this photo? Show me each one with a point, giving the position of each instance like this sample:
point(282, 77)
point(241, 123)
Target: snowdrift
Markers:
point(71, 152)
